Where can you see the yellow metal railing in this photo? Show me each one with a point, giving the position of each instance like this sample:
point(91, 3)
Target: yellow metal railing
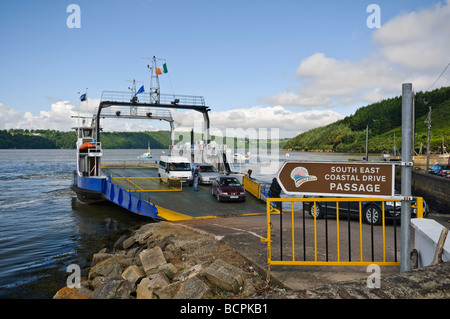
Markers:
point(252, 187)
point(129, 164)
point(149, 184)
point(333, 231)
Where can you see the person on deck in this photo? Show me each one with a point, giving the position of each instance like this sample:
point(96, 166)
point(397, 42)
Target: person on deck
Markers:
point(196, 177)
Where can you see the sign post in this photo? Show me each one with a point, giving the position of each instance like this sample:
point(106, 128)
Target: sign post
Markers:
point(356, 179)
point(407, 120)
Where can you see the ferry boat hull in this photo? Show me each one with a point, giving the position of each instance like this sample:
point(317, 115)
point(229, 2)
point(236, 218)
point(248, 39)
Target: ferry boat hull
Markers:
point(88, 189)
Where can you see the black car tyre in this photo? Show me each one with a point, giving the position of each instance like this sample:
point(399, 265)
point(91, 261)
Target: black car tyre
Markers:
point(319, 213)
point(218, 197)
point(372, 211)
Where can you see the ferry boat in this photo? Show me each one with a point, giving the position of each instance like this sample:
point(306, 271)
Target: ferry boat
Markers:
point(87, 178)
point(137, 186)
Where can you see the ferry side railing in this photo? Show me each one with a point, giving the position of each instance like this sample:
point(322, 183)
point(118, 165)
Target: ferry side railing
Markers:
point(139, 203)
point(118, 96)
point(93, 153)
point(253, 187)
point(336, 235)
point(130, 164)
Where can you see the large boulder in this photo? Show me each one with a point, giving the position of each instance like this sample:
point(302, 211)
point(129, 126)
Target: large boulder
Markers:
point(225, 276)
point(158, 280)
point(193, 288)
point(133, 273)
point(143, 290)
point(74, 293)
point(114, 288)
point(108, 268)
point(152, 258)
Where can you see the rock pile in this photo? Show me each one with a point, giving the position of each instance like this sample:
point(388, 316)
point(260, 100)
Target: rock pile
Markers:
point(167, 261)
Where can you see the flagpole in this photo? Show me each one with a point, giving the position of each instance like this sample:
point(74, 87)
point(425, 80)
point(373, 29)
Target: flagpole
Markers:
point(87, 102)
point(78, 111)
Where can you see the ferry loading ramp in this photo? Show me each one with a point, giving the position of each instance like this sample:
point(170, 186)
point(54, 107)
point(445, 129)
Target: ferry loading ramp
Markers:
point(180, 203)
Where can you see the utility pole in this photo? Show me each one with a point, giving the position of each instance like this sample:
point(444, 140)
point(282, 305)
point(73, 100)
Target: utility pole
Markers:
point(428, 122)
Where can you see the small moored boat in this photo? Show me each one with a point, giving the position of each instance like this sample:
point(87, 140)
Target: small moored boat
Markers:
point(146, 154)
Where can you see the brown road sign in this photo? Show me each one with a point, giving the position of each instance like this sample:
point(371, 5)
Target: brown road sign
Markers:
point(358, 179)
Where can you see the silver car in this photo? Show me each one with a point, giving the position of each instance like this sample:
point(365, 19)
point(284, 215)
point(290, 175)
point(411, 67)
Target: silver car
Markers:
point(207, 173)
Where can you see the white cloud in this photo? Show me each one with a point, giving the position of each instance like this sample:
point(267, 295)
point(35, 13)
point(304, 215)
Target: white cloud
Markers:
point(59, 117)
point(288, 122)
point(419, 41)
point(9, 117)
point(412, 47)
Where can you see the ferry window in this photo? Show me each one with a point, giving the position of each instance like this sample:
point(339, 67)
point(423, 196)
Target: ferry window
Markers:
point(162, 164)
point(87, 133)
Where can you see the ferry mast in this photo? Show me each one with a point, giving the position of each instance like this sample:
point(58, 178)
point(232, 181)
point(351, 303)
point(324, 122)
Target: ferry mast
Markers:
point(112, 100)
point(154, 88)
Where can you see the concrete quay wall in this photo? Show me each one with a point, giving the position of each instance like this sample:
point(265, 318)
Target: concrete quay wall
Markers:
point(434, 189)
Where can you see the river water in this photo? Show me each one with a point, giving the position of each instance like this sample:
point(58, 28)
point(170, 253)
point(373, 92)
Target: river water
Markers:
point(44, 228)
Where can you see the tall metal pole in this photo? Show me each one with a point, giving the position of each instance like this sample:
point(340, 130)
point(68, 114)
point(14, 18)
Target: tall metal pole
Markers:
point(413, 142)
point(428, 121)
point(407, 103)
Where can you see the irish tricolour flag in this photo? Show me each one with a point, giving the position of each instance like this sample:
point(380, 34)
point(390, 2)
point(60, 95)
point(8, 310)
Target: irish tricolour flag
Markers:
point(162, 69)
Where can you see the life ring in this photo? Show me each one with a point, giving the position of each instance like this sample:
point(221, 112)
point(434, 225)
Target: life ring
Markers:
point(86, 145)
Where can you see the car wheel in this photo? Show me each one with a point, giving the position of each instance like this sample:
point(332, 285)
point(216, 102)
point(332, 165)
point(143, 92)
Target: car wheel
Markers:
point(319, 213)
point(218, 197)
point(212, 191)
point(372, 214)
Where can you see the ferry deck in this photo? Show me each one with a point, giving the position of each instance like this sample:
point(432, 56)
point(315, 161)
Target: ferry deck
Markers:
point(177, 201)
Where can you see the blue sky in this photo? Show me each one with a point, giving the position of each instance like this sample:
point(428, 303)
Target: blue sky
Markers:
point(250, 59)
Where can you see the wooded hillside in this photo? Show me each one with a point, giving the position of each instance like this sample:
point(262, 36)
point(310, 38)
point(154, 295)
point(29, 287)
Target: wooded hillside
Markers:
point(384, 119)
point(50, 139)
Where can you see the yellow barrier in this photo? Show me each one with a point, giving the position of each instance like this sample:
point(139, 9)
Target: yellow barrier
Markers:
point(129, 164)
point(252, 187)
point(369, 236)
point(149, 184)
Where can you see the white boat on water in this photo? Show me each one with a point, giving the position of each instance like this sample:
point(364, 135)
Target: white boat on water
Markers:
point(146, 154)
point(386, 156)
point(444, 151)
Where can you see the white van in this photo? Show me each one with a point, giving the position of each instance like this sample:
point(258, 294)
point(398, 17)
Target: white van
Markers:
point(175, 166)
